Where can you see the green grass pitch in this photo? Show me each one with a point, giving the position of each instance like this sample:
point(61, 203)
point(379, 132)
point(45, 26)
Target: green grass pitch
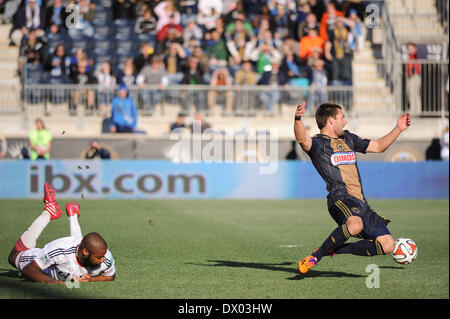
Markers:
point(234, 249)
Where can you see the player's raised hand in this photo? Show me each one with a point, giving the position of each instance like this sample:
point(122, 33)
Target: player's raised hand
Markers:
point(301, 108)
point(403, 121)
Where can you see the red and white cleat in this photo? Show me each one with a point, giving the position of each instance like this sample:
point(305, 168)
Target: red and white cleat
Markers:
point(50, 205)
point(72, 209)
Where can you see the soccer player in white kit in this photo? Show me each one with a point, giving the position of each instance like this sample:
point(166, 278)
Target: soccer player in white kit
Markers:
point(65, 259)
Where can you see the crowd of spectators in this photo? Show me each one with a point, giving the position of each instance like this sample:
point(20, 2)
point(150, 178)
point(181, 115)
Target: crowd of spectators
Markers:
point(141, 43)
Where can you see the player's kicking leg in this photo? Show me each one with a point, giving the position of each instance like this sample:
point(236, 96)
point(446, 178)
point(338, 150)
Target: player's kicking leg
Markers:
point(29, 237)
point(73, 212)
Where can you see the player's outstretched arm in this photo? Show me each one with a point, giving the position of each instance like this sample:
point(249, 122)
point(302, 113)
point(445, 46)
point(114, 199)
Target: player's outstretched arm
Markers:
point(33, 272)
point(89, 278)
point(382, 144)
point(303, 139)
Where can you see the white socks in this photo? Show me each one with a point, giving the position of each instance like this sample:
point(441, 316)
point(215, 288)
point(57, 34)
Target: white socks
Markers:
point(75, 230)
point(30, 236)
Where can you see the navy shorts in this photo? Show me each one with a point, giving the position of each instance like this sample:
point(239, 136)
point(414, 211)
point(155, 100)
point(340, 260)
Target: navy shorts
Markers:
point(343, 207)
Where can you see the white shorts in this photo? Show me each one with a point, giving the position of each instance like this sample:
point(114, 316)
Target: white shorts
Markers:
point(26, 257)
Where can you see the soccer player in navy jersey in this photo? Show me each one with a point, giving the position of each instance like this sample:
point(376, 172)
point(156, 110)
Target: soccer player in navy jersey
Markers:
point(333, 154)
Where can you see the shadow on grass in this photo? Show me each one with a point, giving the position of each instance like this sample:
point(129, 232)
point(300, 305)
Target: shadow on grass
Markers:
point(12, 285)
point(278, 267)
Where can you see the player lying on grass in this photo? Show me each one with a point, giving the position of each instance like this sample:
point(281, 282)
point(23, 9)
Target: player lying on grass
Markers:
point(69, 258)
point(333, 155)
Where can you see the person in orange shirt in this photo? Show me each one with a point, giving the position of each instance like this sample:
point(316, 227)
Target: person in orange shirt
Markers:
point(328, 21)
point(311, 43)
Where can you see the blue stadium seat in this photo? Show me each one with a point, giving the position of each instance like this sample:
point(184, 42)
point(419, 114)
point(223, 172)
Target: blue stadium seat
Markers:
point(102, 30)
point(35, 74)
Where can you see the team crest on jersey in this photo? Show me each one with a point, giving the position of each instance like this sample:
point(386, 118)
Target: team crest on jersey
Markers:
point(45, 260)
point(355, 210)
point(340, 147)
point(343, 158)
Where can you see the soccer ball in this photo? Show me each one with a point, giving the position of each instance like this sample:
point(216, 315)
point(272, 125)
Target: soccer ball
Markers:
point(405, 251)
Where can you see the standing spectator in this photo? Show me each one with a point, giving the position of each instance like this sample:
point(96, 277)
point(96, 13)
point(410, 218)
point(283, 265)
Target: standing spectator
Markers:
point(82, 76)
point(356, 38)
point(163, 11)
point(31, 16)
point(174, 63)
point(144, 57)
point(124, 9)
point(309, 23)
point(55, 17)
point(207, 19)
point(172, 25)
point(444, 145)
point(188, 10)
point(274, 78)
point(106, 85)
point(216, 51)
point(84, 20)
point(30, 50)
point(96, 150)
point(413, 81)
point(310, 44)
point(285, 15)
point(328, 22)
point(127, 76)
point(193, 76)
point(244, 77)
point(221, 78)
point(154, 75)
point(238, 40)
point(342, 56)
point(145, 27)
point(263, 55)
point(3, 145)
point(191, 31)
point(11, 8)
point(59, 65)
point(40, 140)
point(318, 86)
point(123, 113)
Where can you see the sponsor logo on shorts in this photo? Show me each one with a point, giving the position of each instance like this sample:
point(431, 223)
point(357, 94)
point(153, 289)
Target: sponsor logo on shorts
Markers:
point(343, 158)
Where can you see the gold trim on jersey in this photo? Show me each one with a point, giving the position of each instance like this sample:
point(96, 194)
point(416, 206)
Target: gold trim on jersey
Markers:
point(343, 208)
point(349, 172)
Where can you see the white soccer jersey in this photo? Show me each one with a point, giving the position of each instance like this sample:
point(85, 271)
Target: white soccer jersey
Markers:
point(58, 260)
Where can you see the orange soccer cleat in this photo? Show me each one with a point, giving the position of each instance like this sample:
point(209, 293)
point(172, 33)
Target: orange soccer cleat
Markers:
point(306, 264)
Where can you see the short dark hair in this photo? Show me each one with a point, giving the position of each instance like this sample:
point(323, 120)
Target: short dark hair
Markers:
point(324, 111)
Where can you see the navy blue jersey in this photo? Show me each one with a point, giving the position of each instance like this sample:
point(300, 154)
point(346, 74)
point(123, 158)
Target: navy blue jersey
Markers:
point(335, 160)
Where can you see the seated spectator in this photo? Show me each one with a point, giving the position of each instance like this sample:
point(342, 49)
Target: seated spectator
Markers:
point(274, 77)
point(285, 15)
point(328, 22)
point(30, 50)
point(245, 76)
point(29, 17)
point(59, 65)
point(96, 150)
point(84, 20)
point(193, 76)
point(221, 78)
point(106, 85)
point(153, 75)
point(55, 17)
point(310, 44)
point(342, 55)
point(163, 11)
point(145, 27)
point(318, 85)
point(303, 9)
point(82, 76)
point(179, 125)
point(203, 62)
point(144, 57)
point(123, 112)
point(238, 40)
point(40, 140)
point(173, 36)
point(124, 9)
point(263, 55)
point(127, 76)
point(199, 125)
